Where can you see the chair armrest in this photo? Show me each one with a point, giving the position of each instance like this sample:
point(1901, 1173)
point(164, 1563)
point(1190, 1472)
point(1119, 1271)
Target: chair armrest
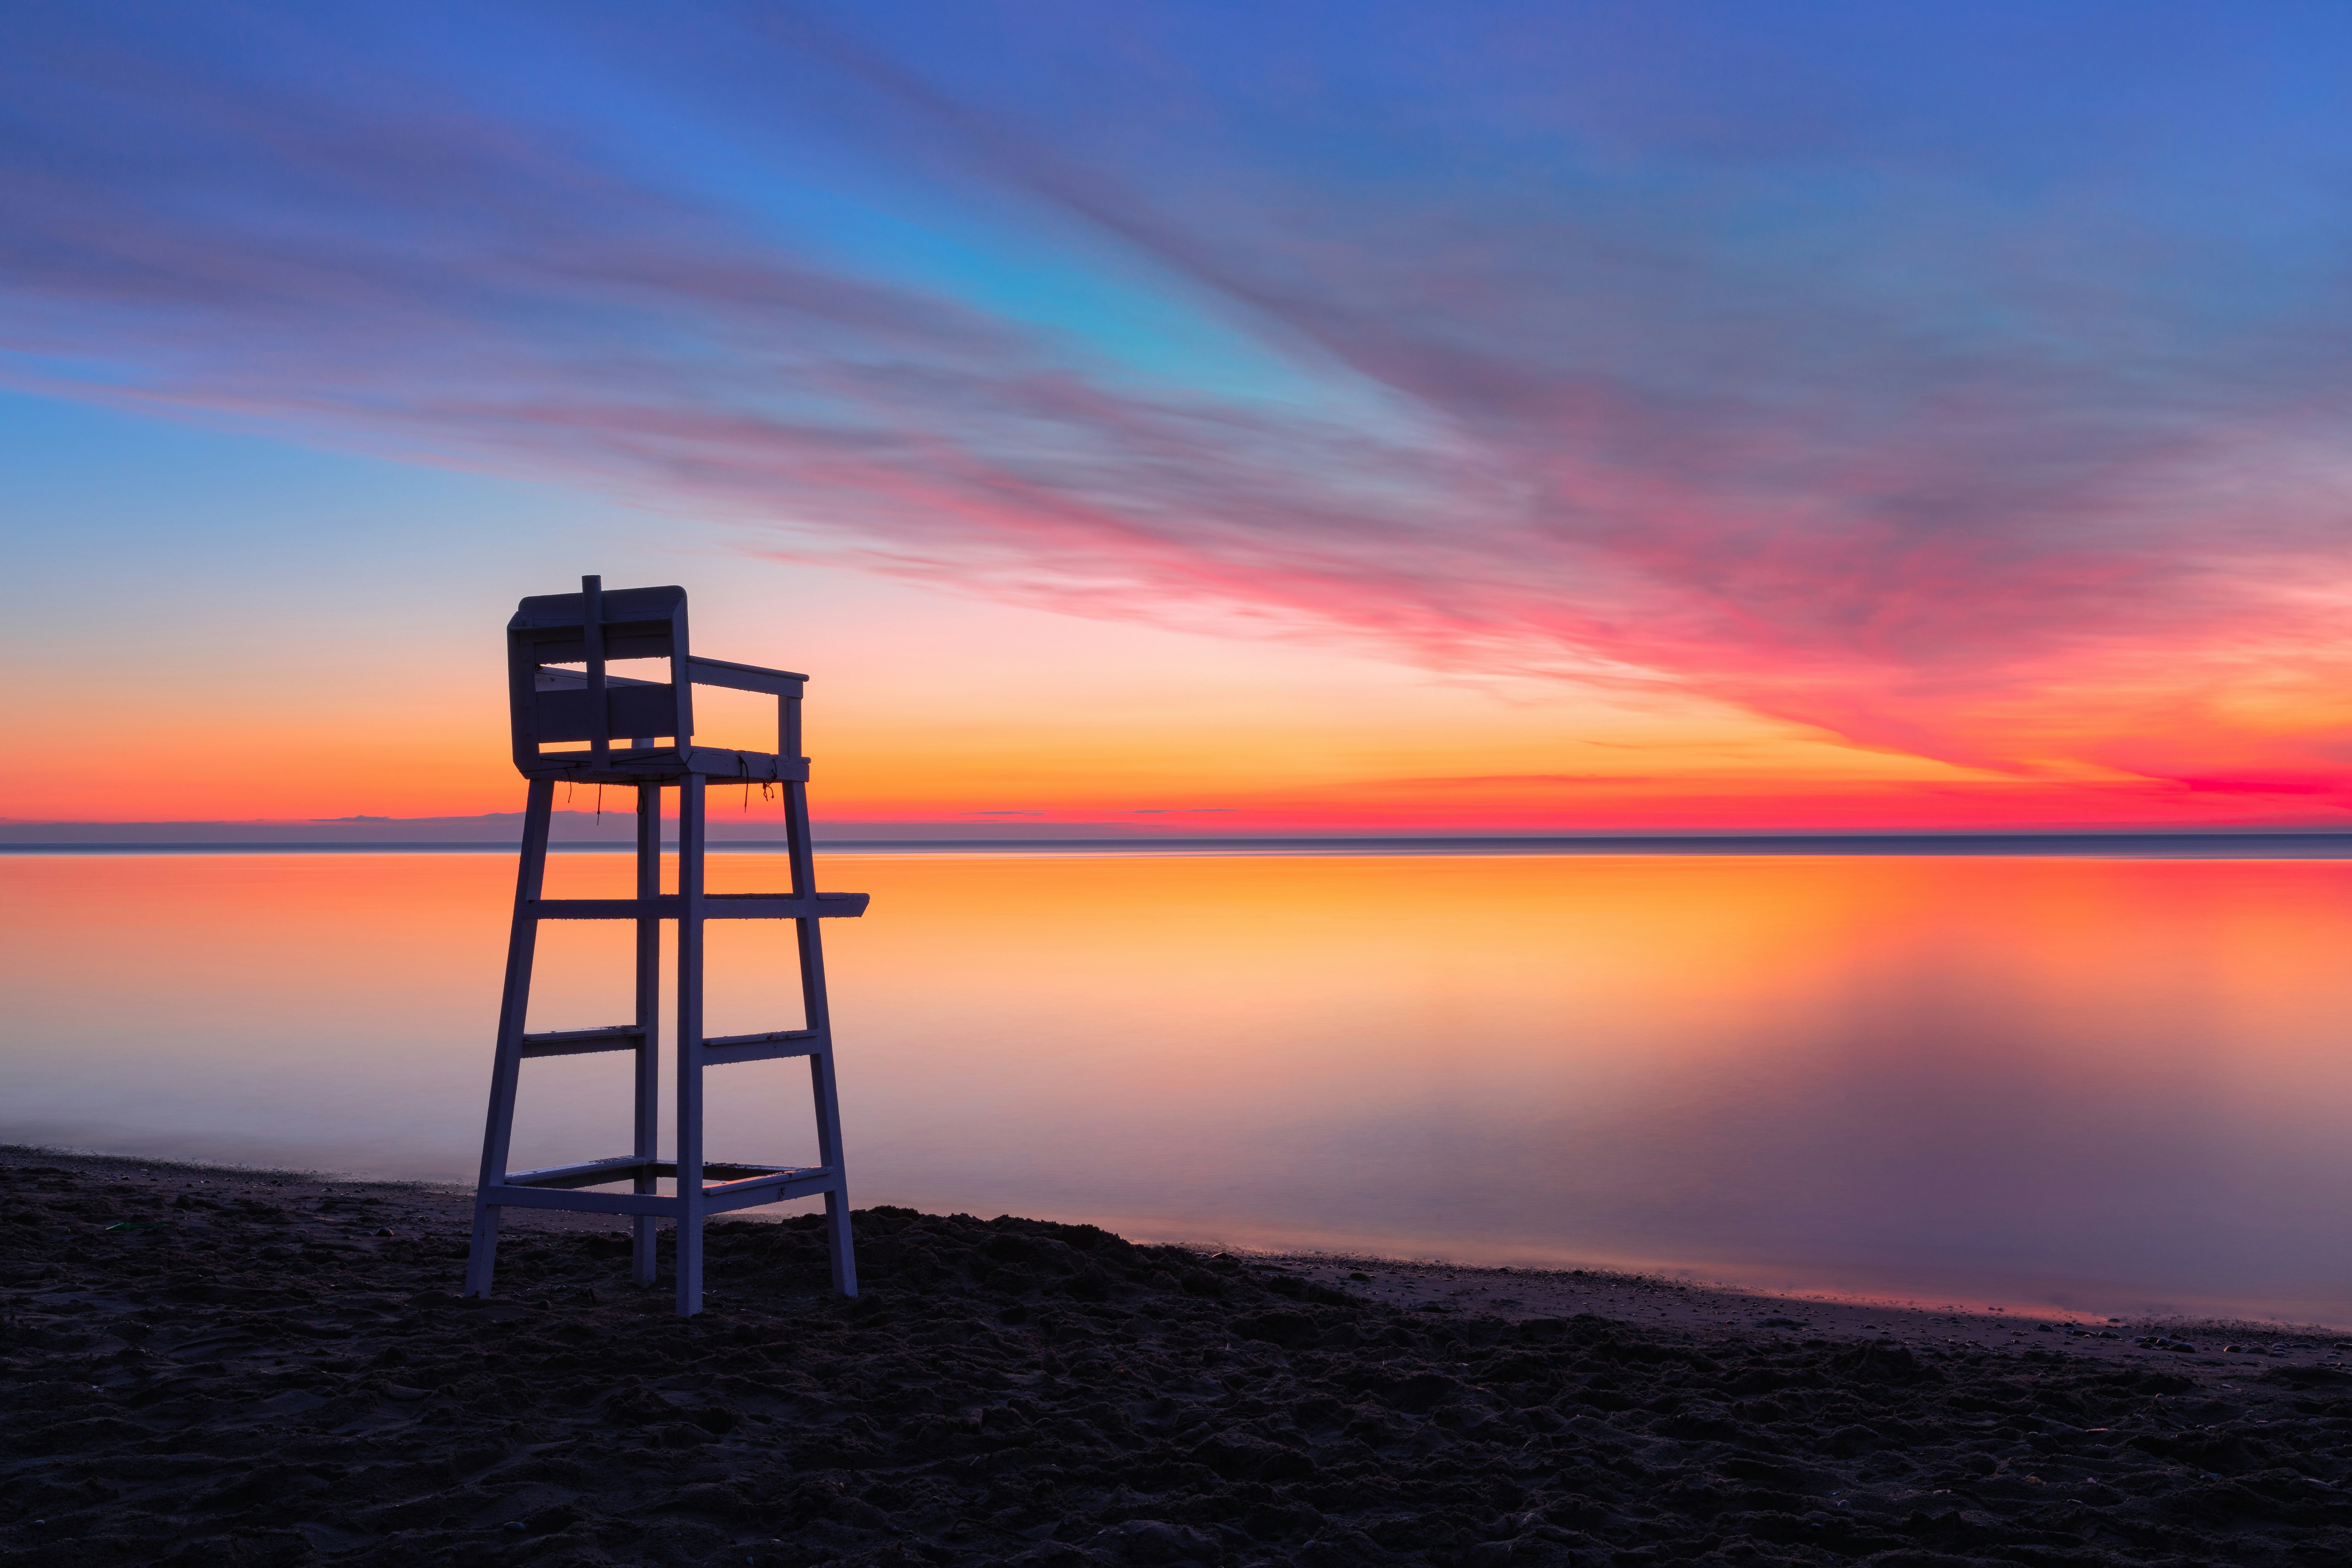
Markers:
point(742, 676)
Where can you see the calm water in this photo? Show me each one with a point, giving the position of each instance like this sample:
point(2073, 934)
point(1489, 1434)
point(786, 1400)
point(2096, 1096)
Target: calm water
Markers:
point(2109, 1084)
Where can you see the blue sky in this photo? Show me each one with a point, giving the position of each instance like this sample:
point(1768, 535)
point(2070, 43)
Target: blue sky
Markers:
point(1958, 385)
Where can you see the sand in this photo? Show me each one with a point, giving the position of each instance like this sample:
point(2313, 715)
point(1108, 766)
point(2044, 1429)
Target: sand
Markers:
point(234, 1368)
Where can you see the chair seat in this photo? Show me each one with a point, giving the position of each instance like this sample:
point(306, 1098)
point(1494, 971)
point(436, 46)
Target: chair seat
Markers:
point(667, 765)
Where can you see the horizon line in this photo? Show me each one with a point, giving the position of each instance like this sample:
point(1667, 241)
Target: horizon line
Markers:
point(2171, 843)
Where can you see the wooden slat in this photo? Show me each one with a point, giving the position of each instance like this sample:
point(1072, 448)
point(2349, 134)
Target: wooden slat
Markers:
point(765, 1037)
point(625, 1167)
point(552, 614)
point(666, 908)
point(783, 906)
point(665, 765)
point(722, 767)
point(752, 1195)
point(583, 1203)
point(766, 1186)
point(638, 708)
point(549, 680)
point(743, 676)
point(768, 1047)
point(760, 1176)
point(589, 1173)
point(723, 907)
point(582, 1042)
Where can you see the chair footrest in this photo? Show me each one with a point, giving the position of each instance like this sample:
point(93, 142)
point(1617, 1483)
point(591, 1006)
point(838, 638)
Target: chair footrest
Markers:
point(726, 1184)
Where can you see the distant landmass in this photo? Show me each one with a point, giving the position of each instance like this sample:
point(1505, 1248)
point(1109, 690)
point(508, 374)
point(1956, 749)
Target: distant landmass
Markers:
point(504, 828)
point(576, 829)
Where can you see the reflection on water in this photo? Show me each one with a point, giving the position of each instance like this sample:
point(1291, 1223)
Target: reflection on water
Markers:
point(2113, 1084)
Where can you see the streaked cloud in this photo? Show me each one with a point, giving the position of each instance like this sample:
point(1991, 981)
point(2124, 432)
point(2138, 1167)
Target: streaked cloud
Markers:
point(1960, 385)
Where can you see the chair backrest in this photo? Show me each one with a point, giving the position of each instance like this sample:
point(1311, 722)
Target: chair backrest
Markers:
point(591, 628)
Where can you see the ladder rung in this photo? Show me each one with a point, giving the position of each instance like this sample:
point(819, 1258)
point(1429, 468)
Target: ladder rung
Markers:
point(593, 1173)
point(741, 1178)
point(579, 1042)
point(731, 1174)
point(715, 907)
point(773, 1186)
point(509, 1194)
point(769, 1047)
point(751, 1186)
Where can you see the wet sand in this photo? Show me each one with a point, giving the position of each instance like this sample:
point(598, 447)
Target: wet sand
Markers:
point(236, 1368)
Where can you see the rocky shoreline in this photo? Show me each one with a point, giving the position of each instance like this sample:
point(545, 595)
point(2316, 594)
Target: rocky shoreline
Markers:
point(249, 1370)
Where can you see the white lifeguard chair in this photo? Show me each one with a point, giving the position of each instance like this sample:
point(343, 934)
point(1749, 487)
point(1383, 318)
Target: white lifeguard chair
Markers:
point(588, 726)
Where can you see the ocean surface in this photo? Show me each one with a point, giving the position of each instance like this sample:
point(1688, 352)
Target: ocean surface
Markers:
point(2104, 1083)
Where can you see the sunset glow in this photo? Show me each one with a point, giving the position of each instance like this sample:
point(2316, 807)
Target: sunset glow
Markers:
point(2044, 1081)
point(1201, 418)
point(1574, 773)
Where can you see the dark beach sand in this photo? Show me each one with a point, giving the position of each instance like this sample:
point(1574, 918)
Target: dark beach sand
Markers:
point(210, 1367)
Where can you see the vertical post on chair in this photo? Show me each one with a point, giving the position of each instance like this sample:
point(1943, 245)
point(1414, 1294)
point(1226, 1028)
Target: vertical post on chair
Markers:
point(647, 1144)
point(514, 1004)
point(689, 1043)
point(599, 716)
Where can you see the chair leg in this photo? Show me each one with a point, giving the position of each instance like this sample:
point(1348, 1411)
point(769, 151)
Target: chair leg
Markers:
point(689, 1044)
point(836, 1230)
point(689, 1264)
point(817, 1009)
point(514, 1006)
point(836, 1200)
point(482, 1255)
point(643, 1261)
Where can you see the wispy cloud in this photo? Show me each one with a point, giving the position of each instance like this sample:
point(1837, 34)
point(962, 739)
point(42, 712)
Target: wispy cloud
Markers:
point(1880, 417)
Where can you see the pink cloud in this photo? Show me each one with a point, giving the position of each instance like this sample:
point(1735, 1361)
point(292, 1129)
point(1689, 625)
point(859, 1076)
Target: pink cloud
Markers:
point(1575, 427)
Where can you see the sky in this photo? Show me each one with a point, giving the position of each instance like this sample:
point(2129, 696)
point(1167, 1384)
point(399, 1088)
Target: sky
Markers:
point(1198, 417)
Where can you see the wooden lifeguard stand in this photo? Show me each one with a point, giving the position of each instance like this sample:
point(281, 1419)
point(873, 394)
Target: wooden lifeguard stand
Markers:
point(559, 708)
